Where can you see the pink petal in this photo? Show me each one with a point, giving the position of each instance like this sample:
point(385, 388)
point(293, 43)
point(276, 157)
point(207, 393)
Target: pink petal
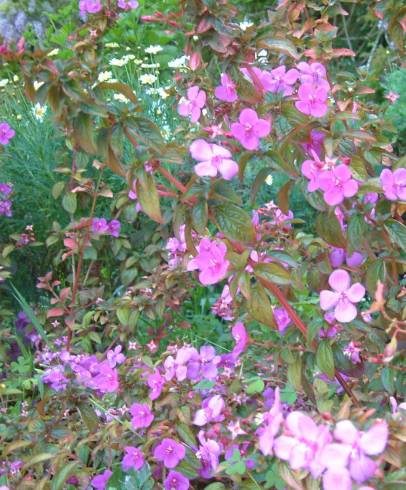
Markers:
point(302, 106)
point(184, 109)
point(205, 169)
point(248, 116)
point(318, 109)
point(238, 131)
point(374, 441)
point(334, 196)
point(195, 114)
point(228, 169)
point(283, 447)
point(201, 99)
point(356, 292)
point(342, 172)
point(339, 280)
point(362, 468)
point(345, 311)
point(220, 151)
point(201, 150)
point(291, 76)
point(262, 128)
point(346, 432)
point(337, 480)
point(299, 456)
point(335, 456)
point(328, 299)
point(192, 92)
point(350, 188)
point(250, 142)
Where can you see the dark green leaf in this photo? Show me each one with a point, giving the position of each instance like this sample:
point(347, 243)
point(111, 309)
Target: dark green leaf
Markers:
point(273, 272)
point(234, 222)
point(325, 358)
point(329, 228)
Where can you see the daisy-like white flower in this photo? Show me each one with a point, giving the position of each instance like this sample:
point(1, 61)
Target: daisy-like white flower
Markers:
point(154, 49)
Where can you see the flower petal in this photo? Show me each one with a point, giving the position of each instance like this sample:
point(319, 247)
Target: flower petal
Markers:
point(356, 292)
point(339, 280)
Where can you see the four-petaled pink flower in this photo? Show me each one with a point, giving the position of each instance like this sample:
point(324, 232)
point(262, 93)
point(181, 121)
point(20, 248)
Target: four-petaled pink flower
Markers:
point(226, 91)
point(337, 184)
point(99, 482)
point(176, 481)
point(250, 128)
point(315, 73)
point(282, 81)
point(133, 458)
point(312, 100)
point(115, 356)
point(156, 383)
point(127, 4)
point(211, 261)
point(342, 297)
point(211, 411)
point(348, 460)
point(6, 133)
point(213, 159)
point(141, 415)
point(192, 106)
point(394, 184)
point(170, 452)
point(90, 6)
point(302, 444)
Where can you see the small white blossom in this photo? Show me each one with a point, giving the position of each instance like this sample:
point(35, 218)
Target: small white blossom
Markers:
point(3, 82)
point(39, 111)
point(179, 62)
point(37, 85)
point(54, 52)
point(245, 25)
point(269, 180)
point(112, 45)
point(154, 49)
point(104, 76)
point(148, 79)
point(118, 61)
point(121, 98)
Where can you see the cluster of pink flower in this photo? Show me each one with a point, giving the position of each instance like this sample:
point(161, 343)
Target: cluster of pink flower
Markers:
point(95, 6)
point(6, 133)
point(5, 203)
point(340, 456)
point(102, 226)
point(176, 248)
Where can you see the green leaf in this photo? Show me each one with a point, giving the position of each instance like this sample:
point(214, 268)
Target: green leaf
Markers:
point(69, 202)
point(200, 215)
point(328, 227)
point(121, 87)
point(273, 272)
point(147, 132)
point(60, 478)
point(83, 133)
point(357, 232)
point(234, 222)
point(375, 272)
point(89, 416)
point(215, 486)
point(325, 358)
point(185, 434)
point(260, 307)
point(256, 386)
point(148, 195)
point(387, 378)
point(38, 458)
point(283, 46)
point(295, 370)
point(397, 232)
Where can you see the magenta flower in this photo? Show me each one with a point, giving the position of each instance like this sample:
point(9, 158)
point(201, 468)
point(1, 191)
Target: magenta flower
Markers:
point(115, 356)
point(314, 73)
point(348, 460)
point(342, 297)
point(394, 184)
point(227, 90)
point(282, 319)
point(6, 133)
point(133, 458)
point(262, 78)
point(338, 255)
point(99, 482)
point(270, 427)
point(5, 208)
point(250, 129)
point(55, 378)
point(100, 225)
point(176, 481)
point(223, 306)
point(240, 335)
point(208, 363)
point(179, 367)
point(208, 454)
point(303, 443)
point(132, 194)
point(156, 383)
point(312, 100)
point(141, 415)
point(127, 4)
point(114, 228)
point(170, 452)
point(211, 411)
point(337, 184)
point(213, 159)
point(211, 261)
point(314, 143)
point(90, 6)
point(193, 104)
point(282, 81)
point(313, 169)
point(5, 189)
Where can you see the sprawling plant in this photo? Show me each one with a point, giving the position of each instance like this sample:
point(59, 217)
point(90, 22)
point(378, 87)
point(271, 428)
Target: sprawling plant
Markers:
point(309, 391)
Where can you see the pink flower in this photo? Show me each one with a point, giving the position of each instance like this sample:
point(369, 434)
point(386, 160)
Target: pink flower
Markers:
point(170, 452)
point(100, 225)
point(349, 459)
point(262, 77)
point(90, 6)
point(337, 184)
point(282, 319)
point(315, 73)
point(176, 481)
point(313, 169)
point(114, 228)
point(342, 297)
point(394, 184)
point(250, 129)
point(156, 382)
point(303, 443)
point(282, 81)
point(211, 411)
point(6, 133)
point(99, 482)
point(312, 100)
point(213, 159)
point(208, 454)
point(226, 91)
point(141, 415)
point(352, 351)
point(115, 356)
point(240, 335)
point(211, 261)
point(314, 143)
point(270, 426)
point(133, 459)
point(392, 96)
point(196, 100)
point(127, 4)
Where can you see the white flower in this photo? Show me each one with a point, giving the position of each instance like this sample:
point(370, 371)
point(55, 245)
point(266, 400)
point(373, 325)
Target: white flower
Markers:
point(163, 93)
point(16, 78)
point(54, 52)
point(37, 85)
point(269, 180)
point(138, 62)
point(245, 25)
point(262, 56)
point(179, 62)
point(104, 76)
point(154, 49)
point(121, 98)
point(39, 111)
point(3, 82)
point(118, 61)
point(150, 65)
point(148, 79)
point(112, 45)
